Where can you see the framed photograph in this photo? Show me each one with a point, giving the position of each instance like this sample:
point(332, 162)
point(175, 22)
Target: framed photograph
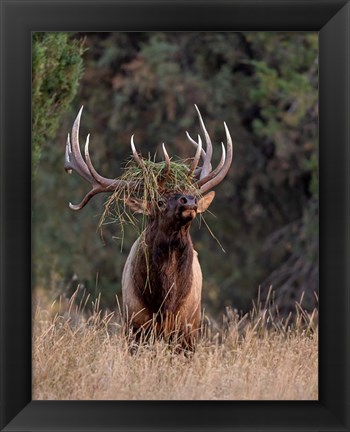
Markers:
point(275, 77)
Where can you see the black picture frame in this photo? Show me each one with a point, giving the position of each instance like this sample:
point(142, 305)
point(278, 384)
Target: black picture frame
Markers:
point(18, 19)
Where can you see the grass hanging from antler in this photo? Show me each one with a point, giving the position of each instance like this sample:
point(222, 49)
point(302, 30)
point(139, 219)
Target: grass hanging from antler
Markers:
point(146, 181)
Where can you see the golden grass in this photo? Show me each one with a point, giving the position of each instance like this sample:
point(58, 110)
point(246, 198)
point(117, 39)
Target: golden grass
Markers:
point(76, 357)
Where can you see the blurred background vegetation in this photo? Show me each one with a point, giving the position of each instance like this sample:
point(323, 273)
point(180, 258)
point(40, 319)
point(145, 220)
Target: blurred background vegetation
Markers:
point(265, 214)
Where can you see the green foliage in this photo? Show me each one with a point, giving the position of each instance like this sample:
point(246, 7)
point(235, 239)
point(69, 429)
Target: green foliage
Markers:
point(265, 213)
point(56, 68)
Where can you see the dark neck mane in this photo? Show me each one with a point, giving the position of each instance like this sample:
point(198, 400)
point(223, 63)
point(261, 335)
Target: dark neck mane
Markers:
point(163, 271)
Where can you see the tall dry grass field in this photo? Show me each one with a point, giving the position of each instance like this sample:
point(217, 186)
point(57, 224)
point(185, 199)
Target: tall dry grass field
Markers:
point(80, 356)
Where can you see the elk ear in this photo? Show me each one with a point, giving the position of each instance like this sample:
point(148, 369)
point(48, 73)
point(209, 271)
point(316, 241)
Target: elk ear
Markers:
point(138, 206)
point(205, 202)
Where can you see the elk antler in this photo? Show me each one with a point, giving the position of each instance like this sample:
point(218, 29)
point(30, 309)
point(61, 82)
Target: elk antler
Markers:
point(208, 178)
point(139, 162)
point(201, 153)
point(75, 162)
point(167, 161)
point(193, 167)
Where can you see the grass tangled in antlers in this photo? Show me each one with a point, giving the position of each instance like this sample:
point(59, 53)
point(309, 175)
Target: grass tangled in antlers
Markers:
point(147, 182)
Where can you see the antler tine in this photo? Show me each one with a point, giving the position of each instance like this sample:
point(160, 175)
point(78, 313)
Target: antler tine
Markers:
point(198, 170)
point(75, 162)
point(195, 143)
point(209, 184)
point(67, 158)
point(134, 153)
point(196, 157)
point(92, 170)
point(73, 158)
point(209, 148)
point(167, 160)
point(84, 201)
point(213, 173)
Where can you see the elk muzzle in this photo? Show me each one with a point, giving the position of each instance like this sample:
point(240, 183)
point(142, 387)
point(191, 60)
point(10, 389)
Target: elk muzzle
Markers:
point(188, 206)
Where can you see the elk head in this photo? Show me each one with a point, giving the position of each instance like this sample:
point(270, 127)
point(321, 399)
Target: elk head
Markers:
point(174, 210)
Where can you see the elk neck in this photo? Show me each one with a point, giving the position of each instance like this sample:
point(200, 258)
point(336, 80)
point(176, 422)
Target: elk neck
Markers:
point(164, 269)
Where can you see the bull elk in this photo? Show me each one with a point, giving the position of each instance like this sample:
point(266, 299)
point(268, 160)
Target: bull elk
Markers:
point(162, 278)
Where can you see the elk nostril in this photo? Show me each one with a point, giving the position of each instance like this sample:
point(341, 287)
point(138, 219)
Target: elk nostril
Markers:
point(183, 200)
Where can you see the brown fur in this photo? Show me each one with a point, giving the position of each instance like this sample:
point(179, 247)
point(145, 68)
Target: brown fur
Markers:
point(164, 270)
point(162, 279)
